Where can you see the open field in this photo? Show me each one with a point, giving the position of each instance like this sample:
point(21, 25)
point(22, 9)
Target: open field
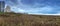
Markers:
point(16, 19)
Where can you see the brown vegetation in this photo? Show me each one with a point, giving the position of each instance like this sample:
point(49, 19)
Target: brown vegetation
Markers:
point(13, 19)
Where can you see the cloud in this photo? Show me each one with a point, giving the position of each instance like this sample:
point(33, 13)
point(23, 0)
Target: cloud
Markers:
point(46, 9)
point(34, 6)
point(15, 9)
point(1, 0)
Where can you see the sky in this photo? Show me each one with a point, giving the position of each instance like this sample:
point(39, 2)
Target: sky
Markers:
point(34, 6)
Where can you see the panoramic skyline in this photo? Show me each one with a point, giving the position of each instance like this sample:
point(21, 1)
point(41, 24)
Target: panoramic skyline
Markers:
point(34, 6)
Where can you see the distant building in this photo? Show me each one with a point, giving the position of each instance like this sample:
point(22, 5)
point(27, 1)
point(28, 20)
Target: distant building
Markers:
point(7, 9)
point(2, 6)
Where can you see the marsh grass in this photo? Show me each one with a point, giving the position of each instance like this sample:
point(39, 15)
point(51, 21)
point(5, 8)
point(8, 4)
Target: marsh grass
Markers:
point(13, 19)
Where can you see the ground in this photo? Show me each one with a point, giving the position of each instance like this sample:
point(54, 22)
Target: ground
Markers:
point(19, 19)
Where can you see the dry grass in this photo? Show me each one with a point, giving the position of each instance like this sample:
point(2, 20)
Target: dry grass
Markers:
point(13, 19)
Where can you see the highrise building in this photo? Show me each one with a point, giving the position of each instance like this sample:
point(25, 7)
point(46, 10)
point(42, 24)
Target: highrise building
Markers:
point(7, 9)
point(2, 6)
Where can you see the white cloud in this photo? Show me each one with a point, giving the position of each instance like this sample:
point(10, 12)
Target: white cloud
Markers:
point(58, 12)
point(46, 8)
point(1, 0)
point(32, 10)
point(37, 8)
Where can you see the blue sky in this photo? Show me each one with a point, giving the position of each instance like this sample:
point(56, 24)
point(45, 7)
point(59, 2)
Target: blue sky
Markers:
point(35, 6)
